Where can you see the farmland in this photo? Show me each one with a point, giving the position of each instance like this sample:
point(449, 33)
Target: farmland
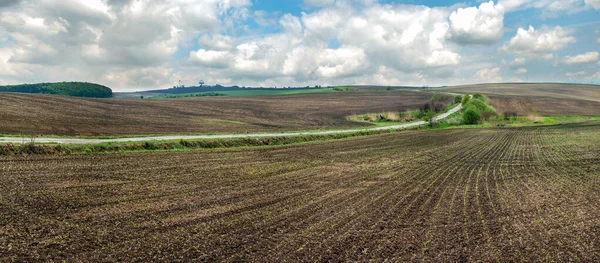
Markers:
point(511, 194)
point(54, 115)
point(251, 92)
point(539, 98)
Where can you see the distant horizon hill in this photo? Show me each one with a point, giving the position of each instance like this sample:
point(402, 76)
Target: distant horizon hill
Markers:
point(75, 89)
point(214, 88)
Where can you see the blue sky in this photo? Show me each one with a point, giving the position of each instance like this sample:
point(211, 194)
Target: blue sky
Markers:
point(143, 44)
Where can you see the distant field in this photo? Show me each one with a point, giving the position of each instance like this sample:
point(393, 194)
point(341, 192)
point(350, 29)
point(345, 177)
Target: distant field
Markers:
point(490, 195)
point(54, 115)
point(543, 99)
point(250, 92)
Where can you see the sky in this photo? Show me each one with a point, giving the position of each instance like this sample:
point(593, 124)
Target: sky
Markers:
point(133, 45)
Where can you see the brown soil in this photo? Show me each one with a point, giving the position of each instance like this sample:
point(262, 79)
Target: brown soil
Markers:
point(543, 99)
point(485, 195)
point(54, 115)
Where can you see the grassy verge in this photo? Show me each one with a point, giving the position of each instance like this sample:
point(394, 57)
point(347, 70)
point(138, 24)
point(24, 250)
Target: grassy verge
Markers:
point(178, 145)
point(516, 122)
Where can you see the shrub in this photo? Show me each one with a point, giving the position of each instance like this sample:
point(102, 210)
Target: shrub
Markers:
point(480, 97)
point(509, 114)
point(465, 99)
point(471, 116)
point(455, 120)
point(150, 146)
point(436, 97)
point(486, 115)
point(457, 99)
point(479, 105)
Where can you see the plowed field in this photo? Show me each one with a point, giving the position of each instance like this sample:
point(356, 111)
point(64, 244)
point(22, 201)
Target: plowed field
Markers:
point(518, 194)
point(547, 99)
point(58, 115)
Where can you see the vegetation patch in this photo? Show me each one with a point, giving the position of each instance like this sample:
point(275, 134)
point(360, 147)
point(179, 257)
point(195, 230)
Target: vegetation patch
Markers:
point(345, 89)
point(76, 89)
point(437, 104)
point(247, 92)
point(67, 149)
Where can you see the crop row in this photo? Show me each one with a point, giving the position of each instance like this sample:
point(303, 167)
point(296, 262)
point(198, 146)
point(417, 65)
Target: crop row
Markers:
point(525, 194)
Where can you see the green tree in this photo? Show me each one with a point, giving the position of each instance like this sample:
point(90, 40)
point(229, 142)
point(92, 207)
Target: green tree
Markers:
point(457, 99)
point(471, 116)
point(465, 99)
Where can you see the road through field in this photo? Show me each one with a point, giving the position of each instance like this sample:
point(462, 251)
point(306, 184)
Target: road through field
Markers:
point(219, 136)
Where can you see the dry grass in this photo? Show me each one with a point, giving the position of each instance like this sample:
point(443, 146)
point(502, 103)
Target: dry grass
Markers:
point(489, 195)
point(45, 114)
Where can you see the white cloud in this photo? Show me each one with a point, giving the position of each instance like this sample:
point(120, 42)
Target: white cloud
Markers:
point(575, 74)
point(399, 38)
point(472, 25)
point(319, 3)
point(539, 43)
point(143, 44)
point(102, 41)
point(518, 62)
point(551, 8)
point(593, 3)
point(522, 71)
point(511, 5)
point(340, 62)
point(216, 42)
point(582, 58)
point(488, 76)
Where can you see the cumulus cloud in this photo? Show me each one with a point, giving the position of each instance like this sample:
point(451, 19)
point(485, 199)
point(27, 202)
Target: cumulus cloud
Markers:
point(472, 25)
point(138, 44)
point(539, 43)
point(7, 3)
point(400, 38)
point(575, 74)
point(102, 40)
point(488, 76)
point(593, 3)
point(216, 42)
point(549, 7)
point(582, 58)
point(522, 71)
point(319, 3)
point(518, 62)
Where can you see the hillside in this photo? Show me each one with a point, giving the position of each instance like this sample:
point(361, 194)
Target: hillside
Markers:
point(61, 115)
point(548, 99)
point(76, 89)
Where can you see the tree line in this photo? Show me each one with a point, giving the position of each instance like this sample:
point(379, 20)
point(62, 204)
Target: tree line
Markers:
point(77, 89)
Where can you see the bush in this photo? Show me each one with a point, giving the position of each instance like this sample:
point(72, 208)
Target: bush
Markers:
point(509, 114)
point(479, 105)
point(436, 97)
point(150, 146)
point(471, 116)
point(481, 97)
point(457, 99)
point(455, 120)
point(465, 99)
point(345, 89)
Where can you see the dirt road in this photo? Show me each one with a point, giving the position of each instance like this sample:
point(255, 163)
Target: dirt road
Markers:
point(219, 136)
